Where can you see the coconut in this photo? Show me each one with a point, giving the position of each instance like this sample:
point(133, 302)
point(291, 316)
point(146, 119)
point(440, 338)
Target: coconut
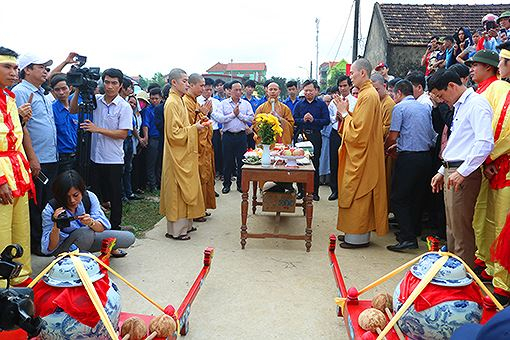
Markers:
point(134, 328)
point(371, 319)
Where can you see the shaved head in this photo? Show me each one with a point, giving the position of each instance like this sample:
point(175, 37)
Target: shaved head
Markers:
point(377, 78)
point(195, 78)
point(273, 83)
point(363, 64)
point(175, 74)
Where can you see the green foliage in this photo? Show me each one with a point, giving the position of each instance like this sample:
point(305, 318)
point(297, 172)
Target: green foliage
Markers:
point(142, 215)
point(333, 74)
point(260, 90)
point(143, 82)
point(158, 78)
point(281, 82)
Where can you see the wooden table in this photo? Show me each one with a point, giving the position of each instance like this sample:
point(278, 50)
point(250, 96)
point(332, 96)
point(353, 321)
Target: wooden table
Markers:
point(255, 173)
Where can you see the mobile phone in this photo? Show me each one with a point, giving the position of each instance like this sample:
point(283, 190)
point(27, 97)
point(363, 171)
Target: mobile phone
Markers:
point(42, 178)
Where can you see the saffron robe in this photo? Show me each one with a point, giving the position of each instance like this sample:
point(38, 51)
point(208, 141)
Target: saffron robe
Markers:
point(205, 152)
point(362, 202)
point(181, 193)
point(493, 202)
point(287, 122)
point(387, 105)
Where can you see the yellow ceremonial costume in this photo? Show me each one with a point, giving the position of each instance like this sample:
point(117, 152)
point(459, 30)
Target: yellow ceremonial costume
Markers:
point(493, 202)
point(387, 105)
point(205, 152)
point(181, 197)
point(15, 172)
point(362, 203)
point(287, 122)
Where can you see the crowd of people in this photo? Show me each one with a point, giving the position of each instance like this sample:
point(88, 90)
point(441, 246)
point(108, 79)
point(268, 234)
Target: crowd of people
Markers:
point(428, 148)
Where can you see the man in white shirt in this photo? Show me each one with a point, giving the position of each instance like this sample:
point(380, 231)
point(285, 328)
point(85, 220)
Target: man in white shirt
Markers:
point(109, 126)
point(344, 88)
point(470, 142)
point(417, 78)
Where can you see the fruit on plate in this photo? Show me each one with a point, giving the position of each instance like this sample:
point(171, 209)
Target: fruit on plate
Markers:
point(286, 153)
point(298, 152)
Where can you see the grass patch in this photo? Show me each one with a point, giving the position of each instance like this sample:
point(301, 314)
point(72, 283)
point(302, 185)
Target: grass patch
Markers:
point(141, 214)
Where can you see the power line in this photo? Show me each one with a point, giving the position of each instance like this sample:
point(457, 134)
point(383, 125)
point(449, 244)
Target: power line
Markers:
point(345, 30)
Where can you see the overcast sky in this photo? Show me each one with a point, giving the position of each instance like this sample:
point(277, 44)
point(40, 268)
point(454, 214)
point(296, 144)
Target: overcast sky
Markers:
point(144, 37)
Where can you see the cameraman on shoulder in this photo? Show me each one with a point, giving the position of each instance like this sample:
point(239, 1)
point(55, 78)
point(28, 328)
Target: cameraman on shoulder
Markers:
point(15, 178)
point(74, 219)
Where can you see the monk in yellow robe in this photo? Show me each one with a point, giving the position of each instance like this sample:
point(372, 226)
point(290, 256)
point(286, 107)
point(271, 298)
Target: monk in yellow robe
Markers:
point(362, 202)
point(205, 147)
point(181, 198)
point(280, 110)
point(493, 202)
point(387, 105)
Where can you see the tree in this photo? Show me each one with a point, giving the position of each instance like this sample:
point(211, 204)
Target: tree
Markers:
point(158, 78)
point(143, 82)
point(281, 82)
point(333, 74)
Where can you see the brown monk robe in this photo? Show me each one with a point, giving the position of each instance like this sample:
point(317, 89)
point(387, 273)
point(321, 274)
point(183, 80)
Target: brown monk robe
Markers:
point(387, 105)
point(282, 112)
point(205, 147)
point(181, 197)
point(362, 202)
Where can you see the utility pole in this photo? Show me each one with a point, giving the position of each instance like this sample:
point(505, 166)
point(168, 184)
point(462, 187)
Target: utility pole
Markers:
point(311, 67)
point(356, 31)
point(317, 49)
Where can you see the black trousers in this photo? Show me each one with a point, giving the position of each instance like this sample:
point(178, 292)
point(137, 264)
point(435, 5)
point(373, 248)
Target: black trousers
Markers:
point(234, 147)
point(43, 194)
point(250, 141)
point(334, 145)
point(218, 152)
point(138, 173)
point(151, 154)
point(66, 162)
point(106, 183)
point(315, 138)
point(410, 181)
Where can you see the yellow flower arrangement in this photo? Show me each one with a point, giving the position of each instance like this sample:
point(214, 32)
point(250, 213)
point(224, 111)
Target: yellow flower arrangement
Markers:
point(268, 127)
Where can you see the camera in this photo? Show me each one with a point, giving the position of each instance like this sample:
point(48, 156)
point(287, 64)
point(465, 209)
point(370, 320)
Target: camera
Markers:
point(82, 77)
point(490, 25)
point(63, 221)
point(17, 308)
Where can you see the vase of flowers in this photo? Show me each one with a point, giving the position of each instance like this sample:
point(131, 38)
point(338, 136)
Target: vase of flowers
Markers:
point(268, 128)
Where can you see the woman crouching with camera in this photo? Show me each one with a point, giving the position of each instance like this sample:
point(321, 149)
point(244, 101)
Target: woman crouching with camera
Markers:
point(74, 219)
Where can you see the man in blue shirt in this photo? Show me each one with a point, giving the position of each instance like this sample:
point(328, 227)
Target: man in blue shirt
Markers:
point(249, 87)
point(310, 116)
point(412, 137)
point(292, 90)
point(219, 91)
point(151, 137)
point(40, 140)
point(66, 123)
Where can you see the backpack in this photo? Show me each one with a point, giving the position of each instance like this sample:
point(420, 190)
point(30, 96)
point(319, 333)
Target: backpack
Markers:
point(85, 200)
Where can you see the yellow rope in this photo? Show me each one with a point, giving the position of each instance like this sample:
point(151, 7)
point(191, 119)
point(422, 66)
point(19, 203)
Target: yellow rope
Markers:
point(48, 267)
point(417, 291)
point(91, 291)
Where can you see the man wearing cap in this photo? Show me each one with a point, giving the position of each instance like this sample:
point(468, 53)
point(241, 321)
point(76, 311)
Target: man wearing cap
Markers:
point(383, 70)
point(16, 183)
point(493, 202)
point(41, 140)
point(504, 21)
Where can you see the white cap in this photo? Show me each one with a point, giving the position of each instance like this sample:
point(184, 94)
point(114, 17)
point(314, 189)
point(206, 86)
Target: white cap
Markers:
point(27, 59)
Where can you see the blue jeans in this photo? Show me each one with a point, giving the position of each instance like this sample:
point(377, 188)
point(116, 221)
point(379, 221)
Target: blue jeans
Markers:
point(128, 166)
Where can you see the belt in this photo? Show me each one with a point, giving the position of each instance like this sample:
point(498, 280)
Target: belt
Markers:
point(66, 155)
point(310, 131)
point(235, 133)
point(412, 152)
point(452, 164)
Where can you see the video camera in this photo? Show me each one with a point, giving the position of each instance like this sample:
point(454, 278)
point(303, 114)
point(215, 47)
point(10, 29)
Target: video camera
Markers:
point(63, 221)
point(17, 308)
point(82, 77)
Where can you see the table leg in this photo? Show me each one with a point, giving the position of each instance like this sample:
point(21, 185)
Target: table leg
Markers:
point(244, 211)
point(309, 214)
point(254, 197)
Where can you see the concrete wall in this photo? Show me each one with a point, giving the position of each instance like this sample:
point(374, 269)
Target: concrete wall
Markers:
point(401, 59)
point(376, 46)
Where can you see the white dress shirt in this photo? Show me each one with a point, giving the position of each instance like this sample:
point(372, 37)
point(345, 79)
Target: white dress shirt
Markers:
point(216, 107)
point(332, 110)
point(230, 121)
point(471, 139)
point(425, 99)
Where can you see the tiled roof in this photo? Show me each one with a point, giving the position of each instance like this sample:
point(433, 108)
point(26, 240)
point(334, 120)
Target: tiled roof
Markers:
point(219, 67)
point(415, 24)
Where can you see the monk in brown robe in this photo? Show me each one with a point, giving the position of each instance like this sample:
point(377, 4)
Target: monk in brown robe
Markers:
point(197, 113)
point(362, 202)
point(387, 105)
point(181, 197)
point(280, 110)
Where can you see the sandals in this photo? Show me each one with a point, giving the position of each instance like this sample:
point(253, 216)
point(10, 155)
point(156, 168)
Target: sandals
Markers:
point(200, 219)
point(192, 229)
point(178, 238)
point(118, 253)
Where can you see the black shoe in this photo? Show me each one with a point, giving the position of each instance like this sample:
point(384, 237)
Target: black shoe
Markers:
point(333, 196)
point(239, 189)
point(216, 194)
point(134, 197)
point(316, 197)
point(225, 190)
point(341, 238)
point(299, 196)
point(346, 245)
point(403, 245)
